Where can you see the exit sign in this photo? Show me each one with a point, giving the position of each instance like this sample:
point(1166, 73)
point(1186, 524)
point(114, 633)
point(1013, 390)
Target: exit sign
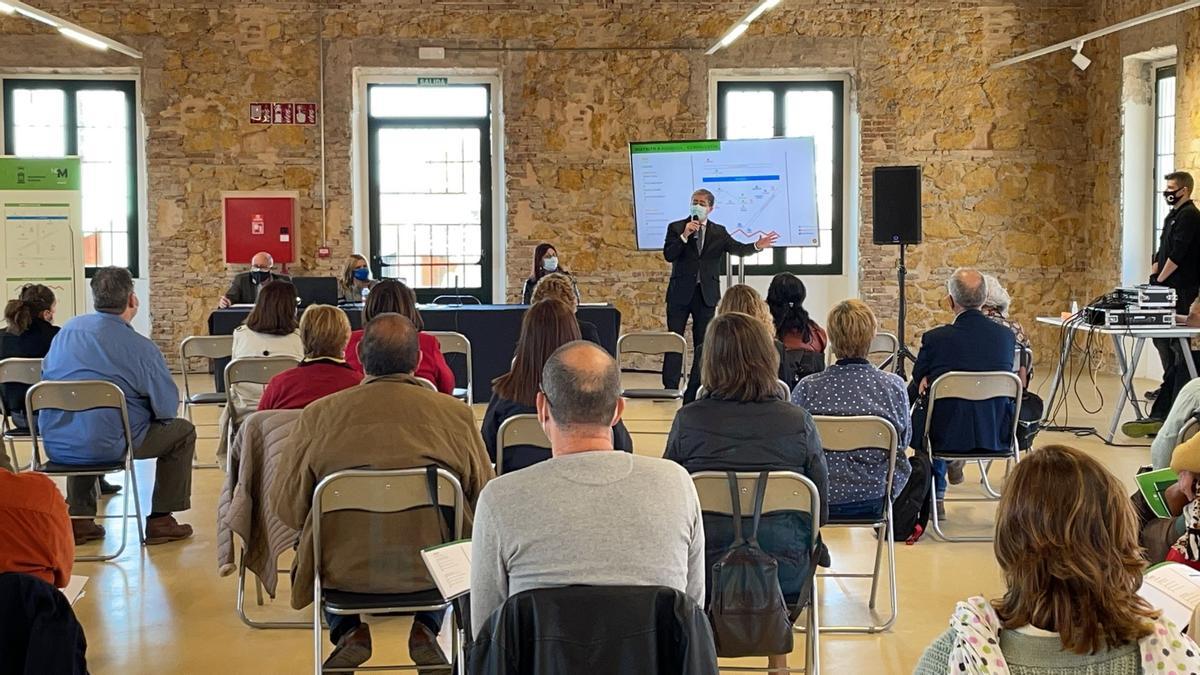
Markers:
point(432, 81)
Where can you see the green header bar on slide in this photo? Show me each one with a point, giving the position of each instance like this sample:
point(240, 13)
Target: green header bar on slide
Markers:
point(24, 173)
point(674, 146)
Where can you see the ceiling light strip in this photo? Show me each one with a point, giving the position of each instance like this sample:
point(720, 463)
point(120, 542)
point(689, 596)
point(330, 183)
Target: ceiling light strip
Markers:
point(740, 27)
point(72, 30)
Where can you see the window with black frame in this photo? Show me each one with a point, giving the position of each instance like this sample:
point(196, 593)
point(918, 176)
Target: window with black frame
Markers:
point(759, 109)
point(430, 182)
point(94, 119)
point(1164, 142)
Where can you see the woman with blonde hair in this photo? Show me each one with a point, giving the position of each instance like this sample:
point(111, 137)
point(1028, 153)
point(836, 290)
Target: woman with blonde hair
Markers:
point(324, 331)
point(356, 278)
point(853, 386)
point(745, 423)
point(1067, 544)
point(560, 287)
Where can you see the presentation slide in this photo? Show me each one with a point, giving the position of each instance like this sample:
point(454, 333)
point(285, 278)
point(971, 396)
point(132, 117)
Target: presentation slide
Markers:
point(761, 186)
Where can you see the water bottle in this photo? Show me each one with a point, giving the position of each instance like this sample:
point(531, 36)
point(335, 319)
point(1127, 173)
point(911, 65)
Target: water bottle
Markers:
point(1074, 307)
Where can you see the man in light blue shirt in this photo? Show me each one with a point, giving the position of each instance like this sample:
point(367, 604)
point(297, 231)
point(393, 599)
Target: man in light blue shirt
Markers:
point(104, 346)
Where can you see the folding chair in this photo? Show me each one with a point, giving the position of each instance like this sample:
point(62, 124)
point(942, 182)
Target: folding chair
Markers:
point(381, 492)
point(210, 348)
point(1189, 429)
point(252, 370)
point(975, 387)
point(786, 491)
point(16, 371)
point(885, 346)
point(426, 383)
point(519, 430)
point(653, 344)
point(457, 343)
point(456, 300)
point(79, 396)
point(849, 434)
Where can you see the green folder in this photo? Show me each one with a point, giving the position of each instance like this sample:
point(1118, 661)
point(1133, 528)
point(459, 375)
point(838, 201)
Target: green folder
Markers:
point(1152, 485)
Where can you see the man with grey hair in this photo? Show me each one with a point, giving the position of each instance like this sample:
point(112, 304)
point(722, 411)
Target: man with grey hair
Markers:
point(104, 346)
point(588, 515)
point(972, 343)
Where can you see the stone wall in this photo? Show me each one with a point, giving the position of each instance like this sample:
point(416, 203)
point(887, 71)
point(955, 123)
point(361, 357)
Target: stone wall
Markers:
point(581, 78)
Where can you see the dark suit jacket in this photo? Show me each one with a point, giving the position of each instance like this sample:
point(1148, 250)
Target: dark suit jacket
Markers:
point(689, 265)
point(1180, 242)
point(589, 332)
point(242, 291)
point(972, 343)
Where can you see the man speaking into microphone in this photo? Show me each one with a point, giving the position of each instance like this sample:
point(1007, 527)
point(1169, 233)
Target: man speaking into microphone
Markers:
point(694, 246)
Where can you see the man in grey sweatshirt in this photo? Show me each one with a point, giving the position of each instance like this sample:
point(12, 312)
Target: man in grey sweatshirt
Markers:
point(588, 515)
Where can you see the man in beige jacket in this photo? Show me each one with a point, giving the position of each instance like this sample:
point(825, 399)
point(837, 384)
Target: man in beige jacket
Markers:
point(389, 421)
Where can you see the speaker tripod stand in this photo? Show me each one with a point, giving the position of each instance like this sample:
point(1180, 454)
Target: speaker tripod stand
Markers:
point(902, 352)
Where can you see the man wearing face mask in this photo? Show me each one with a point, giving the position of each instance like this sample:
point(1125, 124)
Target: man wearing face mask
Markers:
point(1177, 265)
point(695, 247)
point(244, 289)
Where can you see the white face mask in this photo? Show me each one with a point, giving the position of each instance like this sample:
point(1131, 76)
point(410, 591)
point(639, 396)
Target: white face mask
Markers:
point(699, 212)
point(550, 264)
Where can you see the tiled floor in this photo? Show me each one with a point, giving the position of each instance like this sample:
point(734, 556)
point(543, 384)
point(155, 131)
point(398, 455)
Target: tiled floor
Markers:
point(166, 610)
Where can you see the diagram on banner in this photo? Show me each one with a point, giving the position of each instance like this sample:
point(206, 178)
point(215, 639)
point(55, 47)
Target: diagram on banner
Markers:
point(38, 240)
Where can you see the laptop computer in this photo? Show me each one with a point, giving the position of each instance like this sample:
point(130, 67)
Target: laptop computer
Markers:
point(316, 290)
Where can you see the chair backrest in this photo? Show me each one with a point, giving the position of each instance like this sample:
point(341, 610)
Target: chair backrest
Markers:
point(976, 387)
point(381, 492)
point(883, 349)
point(1189, 429)
point(451, 342)
point(786, 491)
point(257, 369)
point(1022, 358)
point(847, 434)
point(201, 346)
point(519, 430)
point(426, 383)
point(75, 396)
point(785, 390)
point(17, 371)
point(456, 300)
point(654, 343)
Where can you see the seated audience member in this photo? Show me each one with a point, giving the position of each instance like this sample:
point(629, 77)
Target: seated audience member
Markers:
point(1066, 541)
point(972, 343)
point(356, 277)
point(545, 261)
point(588, 516)
point(995, 307)
point(27, 335)
point(803, 340)
point(1187, 403)
point(35, 531)
point(744, 423)
point(391, 296)
point(104, 346)
point(246, 285)
point(560, 287)
point(744, 299)
point(546, 326)
point(271, 329)
point(324, 330)
point(853, 386)
point(389, 421)
point(1175, 539)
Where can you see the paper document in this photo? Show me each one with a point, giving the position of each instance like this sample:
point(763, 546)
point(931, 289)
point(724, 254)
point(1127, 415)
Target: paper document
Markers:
point(1152, 485)
point(450, 566)
point(1173, 588)
point(74, 589)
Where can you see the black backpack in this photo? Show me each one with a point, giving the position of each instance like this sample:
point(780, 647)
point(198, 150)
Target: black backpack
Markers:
point(910, 509)
point(747, 610)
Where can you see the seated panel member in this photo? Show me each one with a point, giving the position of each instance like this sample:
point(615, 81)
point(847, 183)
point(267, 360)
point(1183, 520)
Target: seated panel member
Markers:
point(243, 290)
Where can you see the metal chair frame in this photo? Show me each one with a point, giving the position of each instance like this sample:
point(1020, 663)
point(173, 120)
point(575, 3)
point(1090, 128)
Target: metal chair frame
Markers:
point(252, 370)
point(16, 371)
point(451, 342)
point(380, 492)
point(210, 347)
point(884, 343)
point(1189, 429)
point(848, 434)
point(519, 430)
point(786, 491)
point(80, 396)
point(643, 342)
point(976, 387)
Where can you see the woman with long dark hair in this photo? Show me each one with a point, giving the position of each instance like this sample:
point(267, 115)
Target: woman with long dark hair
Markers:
point(545, 261)
point(804, 341)
point(27, 336)
point(392, 296)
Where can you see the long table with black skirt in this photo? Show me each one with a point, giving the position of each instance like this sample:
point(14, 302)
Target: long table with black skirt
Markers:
point(492, 329)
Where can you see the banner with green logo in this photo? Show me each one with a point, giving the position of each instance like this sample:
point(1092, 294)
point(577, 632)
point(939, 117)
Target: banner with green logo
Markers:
point(26, 173)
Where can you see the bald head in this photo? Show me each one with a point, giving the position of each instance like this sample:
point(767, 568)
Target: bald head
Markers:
point(262, 260)
point(389, 346)
point(967, 288)
point(582, 385)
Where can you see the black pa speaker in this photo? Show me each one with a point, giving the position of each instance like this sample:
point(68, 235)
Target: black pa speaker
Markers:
point(896, 205)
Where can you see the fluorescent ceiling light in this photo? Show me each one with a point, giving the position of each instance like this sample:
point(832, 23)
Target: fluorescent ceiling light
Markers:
point(7, 8)
point(734, 34)
point(36, 16)
point(85, 39)
point(744, 23)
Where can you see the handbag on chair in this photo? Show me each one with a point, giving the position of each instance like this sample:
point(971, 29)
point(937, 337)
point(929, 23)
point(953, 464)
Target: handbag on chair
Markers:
point(747, 609)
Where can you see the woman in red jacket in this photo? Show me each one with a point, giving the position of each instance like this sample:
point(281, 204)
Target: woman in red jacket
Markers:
point(390, 295)
point(324, 331)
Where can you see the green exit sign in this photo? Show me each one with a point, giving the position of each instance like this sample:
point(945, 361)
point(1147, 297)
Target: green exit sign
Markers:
point(432, 81)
